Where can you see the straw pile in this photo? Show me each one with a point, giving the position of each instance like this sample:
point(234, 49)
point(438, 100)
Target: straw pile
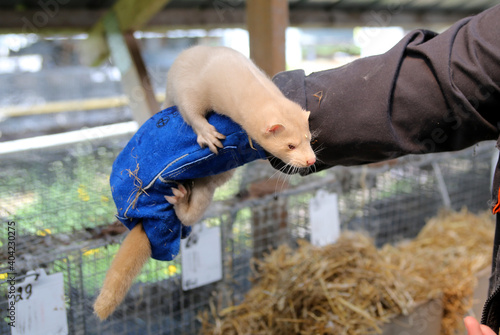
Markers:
point(445, 257)
point(352, 288)
point(344, 286)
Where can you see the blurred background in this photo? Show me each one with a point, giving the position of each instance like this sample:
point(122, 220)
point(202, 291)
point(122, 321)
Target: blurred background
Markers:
point(77, 79)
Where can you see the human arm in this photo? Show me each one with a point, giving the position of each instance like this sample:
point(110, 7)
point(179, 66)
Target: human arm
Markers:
point(430, 93)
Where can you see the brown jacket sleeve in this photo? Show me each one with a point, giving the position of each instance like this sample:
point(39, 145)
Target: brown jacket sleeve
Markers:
point(429, 93)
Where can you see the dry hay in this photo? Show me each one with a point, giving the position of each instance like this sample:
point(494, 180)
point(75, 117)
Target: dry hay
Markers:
point(341, 288)
point(445, 257)
point(352, 288)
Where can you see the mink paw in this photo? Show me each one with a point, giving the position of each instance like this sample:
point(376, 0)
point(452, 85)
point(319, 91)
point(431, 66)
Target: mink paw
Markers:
point(210, 138)
point(181, 194)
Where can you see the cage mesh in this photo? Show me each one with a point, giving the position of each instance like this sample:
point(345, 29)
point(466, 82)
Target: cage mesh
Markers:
point(60, 200)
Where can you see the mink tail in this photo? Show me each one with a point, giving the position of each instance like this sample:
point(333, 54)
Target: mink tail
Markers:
point(134, 252)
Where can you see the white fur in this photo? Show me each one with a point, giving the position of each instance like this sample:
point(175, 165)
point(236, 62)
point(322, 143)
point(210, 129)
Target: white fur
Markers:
point(221, 79)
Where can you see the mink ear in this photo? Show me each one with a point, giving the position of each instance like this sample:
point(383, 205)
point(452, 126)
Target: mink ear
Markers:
point(275, 129)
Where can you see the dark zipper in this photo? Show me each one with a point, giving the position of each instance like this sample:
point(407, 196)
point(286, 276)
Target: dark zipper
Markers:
point(487, 306)
point(496, 292)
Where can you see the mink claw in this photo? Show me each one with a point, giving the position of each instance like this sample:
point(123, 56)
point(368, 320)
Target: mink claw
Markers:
point(179, 193)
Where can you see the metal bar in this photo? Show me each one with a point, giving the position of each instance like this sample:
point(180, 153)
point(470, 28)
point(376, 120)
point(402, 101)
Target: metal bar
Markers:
point(18, 278)
point(69, 106)
point(443, 190)
point(68, 138)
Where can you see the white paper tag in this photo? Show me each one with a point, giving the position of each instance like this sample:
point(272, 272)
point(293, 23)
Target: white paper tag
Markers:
point(201, 257)
point(40, 305)
point(324, 217)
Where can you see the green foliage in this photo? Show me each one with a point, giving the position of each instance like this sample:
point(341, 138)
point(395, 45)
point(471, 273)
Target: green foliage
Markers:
point(94, 263)
point(70, 194)
point(67, 195)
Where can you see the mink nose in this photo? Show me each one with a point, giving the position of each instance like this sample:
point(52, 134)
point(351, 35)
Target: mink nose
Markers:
point(310, 161)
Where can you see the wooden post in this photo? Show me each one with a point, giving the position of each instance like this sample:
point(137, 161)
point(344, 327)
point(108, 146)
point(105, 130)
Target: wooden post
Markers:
point(127, 58)
point(267, 21)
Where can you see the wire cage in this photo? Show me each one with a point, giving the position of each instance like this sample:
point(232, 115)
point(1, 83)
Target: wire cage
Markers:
point(60, 199)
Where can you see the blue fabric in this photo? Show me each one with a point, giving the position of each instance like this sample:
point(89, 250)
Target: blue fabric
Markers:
point(164, 150)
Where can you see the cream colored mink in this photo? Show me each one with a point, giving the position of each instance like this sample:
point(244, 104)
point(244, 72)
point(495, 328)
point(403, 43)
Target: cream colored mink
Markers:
point(204, 79)
point(220, 79)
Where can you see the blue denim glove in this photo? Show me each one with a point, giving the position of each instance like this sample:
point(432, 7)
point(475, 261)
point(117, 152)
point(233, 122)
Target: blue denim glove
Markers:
point(163, 152)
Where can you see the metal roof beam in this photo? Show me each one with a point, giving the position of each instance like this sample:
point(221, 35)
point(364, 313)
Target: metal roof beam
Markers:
point(62, 21)
point(189, 18)
point(74, 21)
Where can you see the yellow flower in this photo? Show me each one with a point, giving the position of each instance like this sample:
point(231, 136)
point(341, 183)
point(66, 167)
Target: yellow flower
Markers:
point(44, 232)
point(90, 252)
point(82, 193)
point(3, 276)
point(171, 270)
point(104, 198)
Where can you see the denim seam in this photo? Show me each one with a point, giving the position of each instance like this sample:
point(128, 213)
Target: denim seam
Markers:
point(187, 166)
point(142, 191)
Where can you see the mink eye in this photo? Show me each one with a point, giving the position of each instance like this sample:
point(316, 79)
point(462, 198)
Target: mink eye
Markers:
point(291, 146)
